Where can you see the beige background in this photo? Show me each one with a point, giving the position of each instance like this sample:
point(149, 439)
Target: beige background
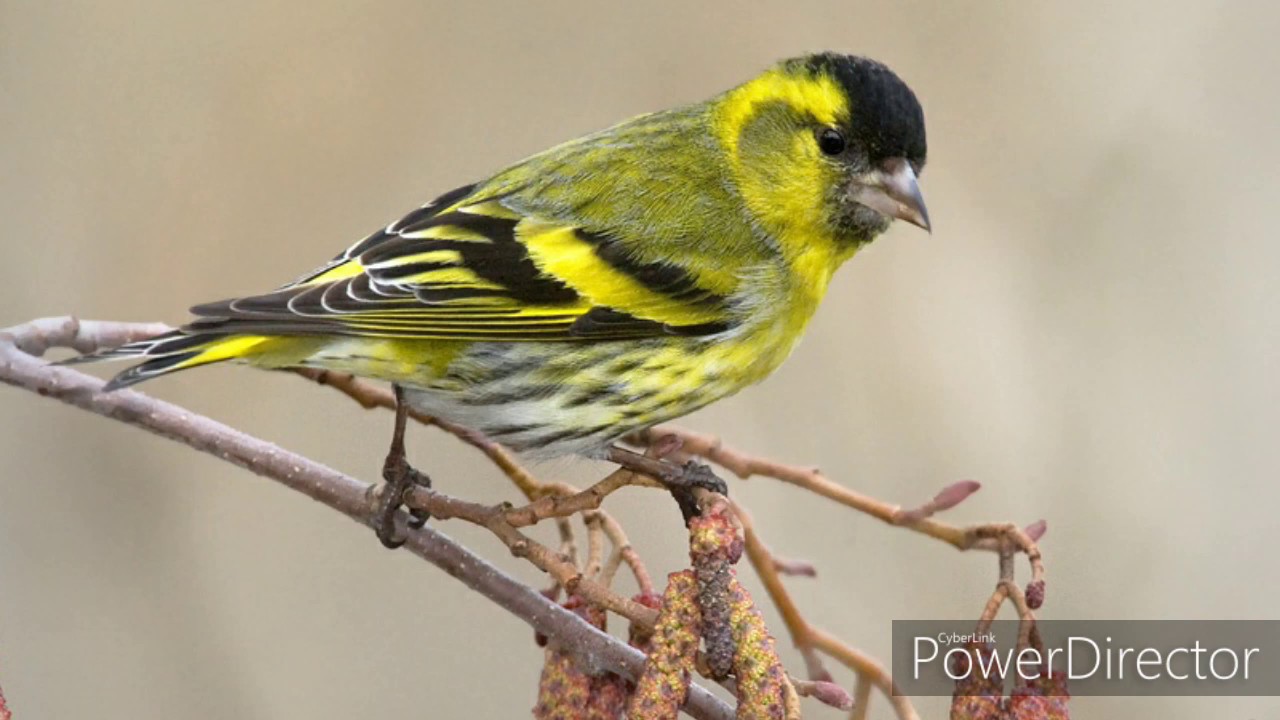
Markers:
point(1091, 331)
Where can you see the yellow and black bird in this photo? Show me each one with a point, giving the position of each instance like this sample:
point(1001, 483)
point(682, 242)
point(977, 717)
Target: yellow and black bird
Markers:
point(607, 284)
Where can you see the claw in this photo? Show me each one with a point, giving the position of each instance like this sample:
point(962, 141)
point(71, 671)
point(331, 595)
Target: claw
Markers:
point(386, 534)
point(384, 524)
point(697, 474)
point(680, 480)
point(418, 518)
point(694, 474)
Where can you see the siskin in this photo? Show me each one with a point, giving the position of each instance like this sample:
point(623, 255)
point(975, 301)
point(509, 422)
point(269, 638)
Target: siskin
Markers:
point(607, 284)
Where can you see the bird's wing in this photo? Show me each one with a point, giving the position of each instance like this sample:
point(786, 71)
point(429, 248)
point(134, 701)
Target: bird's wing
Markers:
point(468, 267)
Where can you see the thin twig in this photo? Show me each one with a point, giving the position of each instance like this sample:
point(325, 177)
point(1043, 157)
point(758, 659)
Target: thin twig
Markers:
point(1007, 588)
point(566, 573)
point(765, 568)
point(609, 570)
point(808, 639)
point(867, 667)
point(622, 548)
point(568, 546)
point(861, 698)
point(919, 519)
point(622, 553)
point(595, 544)
point(20, 367)
point(566, 501)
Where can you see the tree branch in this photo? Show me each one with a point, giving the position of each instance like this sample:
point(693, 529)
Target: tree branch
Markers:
point(990, 536)
point(20, 366)
point(666, 442)
point(574, 581)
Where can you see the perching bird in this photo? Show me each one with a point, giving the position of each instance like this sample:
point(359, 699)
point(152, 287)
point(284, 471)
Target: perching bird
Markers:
point(610, 283)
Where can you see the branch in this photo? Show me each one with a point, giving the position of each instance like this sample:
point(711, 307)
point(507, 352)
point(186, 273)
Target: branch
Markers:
point(564, 572)
point(668, 441)
point(20, 366)
point(991, 536)
point(746, 466)
point(555, 499)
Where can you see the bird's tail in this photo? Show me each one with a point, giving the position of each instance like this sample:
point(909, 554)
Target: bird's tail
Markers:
point(173, 351)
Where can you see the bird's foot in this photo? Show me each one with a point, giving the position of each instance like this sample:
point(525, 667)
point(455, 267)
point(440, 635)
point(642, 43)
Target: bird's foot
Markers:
point(694, 474)
point(398, 478)
point(690, 476)
point(680, 480)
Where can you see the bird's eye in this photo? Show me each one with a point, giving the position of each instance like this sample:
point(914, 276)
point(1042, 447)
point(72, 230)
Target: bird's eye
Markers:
point(831, 141)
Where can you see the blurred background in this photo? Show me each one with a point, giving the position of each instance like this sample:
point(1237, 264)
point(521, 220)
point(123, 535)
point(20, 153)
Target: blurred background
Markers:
point(1092, 330)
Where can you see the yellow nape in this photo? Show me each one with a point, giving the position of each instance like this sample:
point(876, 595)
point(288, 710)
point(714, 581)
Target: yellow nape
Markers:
point(786, 194)
point(817, 96)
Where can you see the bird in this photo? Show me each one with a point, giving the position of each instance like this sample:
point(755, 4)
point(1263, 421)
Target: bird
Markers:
point(603, 286)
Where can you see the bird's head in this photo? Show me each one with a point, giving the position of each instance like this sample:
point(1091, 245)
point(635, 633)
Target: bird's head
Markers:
point(829, 144)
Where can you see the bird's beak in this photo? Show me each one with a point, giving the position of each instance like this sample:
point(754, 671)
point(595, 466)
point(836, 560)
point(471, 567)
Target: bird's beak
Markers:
point(892, 191)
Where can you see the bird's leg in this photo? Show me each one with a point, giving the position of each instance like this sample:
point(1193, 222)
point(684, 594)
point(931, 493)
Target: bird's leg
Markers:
point(680, 480)
point(398, 477)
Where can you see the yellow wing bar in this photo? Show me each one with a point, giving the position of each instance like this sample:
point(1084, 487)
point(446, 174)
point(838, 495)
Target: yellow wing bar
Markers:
point(472, 268)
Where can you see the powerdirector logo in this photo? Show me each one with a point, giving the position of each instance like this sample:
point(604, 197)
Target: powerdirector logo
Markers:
point(1088, 657)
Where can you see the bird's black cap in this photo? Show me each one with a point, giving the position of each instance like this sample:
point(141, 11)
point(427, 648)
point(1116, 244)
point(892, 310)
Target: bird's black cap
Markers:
point(886, 116)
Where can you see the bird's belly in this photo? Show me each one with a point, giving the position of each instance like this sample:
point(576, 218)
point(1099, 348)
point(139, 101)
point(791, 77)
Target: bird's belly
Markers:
point(548, 399)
